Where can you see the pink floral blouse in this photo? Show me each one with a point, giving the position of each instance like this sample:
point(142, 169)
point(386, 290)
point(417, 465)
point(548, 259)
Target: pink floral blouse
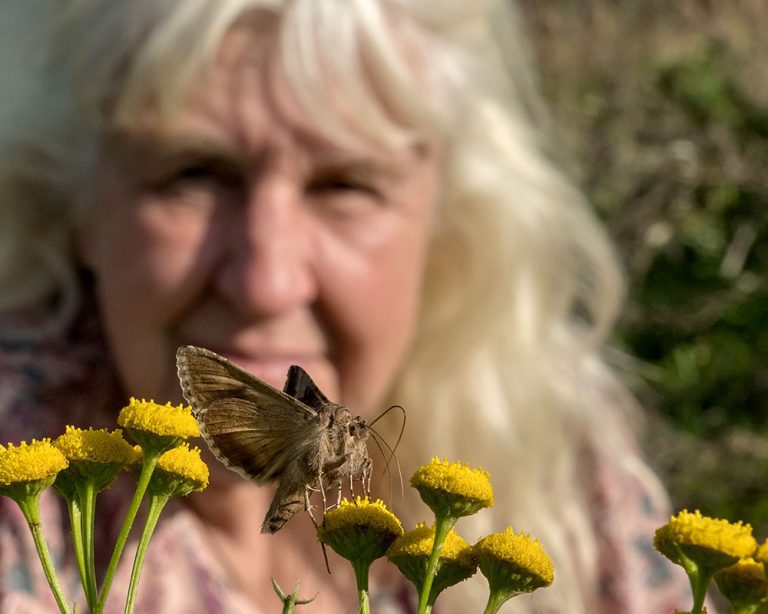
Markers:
point(69, 380)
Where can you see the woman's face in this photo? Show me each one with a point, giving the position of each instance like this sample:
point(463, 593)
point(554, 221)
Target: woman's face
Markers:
point(241, 231)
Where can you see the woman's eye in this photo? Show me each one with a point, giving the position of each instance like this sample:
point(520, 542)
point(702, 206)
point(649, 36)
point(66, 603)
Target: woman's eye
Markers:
point(345, 195)
point(194, 173)
point(341, 184)
point(195, 178)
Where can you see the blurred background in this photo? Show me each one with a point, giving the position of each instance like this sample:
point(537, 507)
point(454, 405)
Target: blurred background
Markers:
point(660, 113)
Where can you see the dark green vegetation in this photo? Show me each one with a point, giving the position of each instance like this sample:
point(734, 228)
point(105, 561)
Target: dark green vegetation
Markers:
point(663, 106)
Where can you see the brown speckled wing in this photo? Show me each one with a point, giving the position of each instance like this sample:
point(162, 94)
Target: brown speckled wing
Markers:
point(253, 428)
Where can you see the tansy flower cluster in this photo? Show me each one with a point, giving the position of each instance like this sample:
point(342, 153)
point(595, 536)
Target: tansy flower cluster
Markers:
point(81, 463)
point(434, 557)
point(513, 555)
point(453, 488)
point(411, 554)
point(712, 548)
point(29, 463)
point(100, 446)
point(162, 426)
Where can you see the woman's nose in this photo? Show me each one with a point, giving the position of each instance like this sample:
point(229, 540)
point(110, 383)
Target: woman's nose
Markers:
point(266, 268)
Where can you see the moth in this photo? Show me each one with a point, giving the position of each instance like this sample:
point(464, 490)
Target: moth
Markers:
point(294, 436)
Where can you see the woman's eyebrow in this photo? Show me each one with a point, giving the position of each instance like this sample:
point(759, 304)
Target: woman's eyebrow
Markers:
point(154, 152)
point(362, 166)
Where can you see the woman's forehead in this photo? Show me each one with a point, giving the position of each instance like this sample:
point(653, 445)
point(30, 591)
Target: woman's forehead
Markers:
point(245, 95)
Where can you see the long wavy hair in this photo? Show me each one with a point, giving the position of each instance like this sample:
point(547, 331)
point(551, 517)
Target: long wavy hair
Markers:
point(522, 287)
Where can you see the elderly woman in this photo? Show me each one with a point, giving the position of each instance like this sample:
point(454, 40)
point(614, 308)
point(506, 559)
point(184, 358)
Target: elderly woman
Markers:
point(354, 186)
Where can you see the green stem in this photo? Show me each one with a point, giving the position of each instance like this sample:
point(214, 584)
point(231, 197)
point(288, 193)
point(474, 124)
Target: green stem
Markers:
point(496, 599)
point(87, 494)
point(147, 467)
point(75, 520)
point(443, 525)
point(699, 585)
point(361, 575)
point(290, 601)
point(30, 507)
point(156, 505)
point(365, 604)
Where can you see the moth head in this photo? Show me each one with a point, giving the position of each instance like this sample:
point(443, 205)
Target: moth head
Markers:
point(358, 428)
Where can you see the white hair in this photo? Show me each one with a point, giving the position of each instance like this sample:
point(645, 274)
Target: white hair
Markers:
point(522, 285)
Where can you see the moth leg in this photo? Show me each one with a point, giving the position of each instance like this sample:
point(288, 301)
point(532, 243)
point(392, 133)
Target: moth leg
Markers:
point(366, 475)
point(308, 505)
point(322, 491)
point(325, 501)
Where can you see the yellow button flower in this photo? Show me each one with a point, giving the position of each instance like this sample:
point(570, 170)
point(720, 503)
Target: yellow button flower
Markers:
point(99, 446)
point(29, 467)
point(761, 554)
point(453, 489)
point(95, 458)
point(178, 472)
point(161, 427)
point(711, 543)
point(515, 560)
point(360, 530)
point(411, 552)
point(743, 584)
point(25, 471)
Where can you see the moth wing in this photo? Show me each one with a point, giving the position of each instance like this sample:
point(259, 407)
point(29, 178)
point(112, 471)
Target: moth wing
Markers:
point(299, 385)
point(253, 428)
point(206, 377)
point(256, 440)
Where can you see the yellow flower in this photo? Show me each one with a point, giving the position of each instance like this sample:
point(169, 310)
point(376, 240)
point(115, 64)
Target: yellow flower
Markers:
point(743, 584)
point(28, 462)
point(515, 562)
point(171, 420)
point(411, 551)
point(95, 458)
point(100, 446)
point(418, 543)
point(27, 469)
point(158, 427)
point(453, 489)
point(762, 552)
point(362, 513)
point(710, 543)
point(178, 472)
point(360, 530)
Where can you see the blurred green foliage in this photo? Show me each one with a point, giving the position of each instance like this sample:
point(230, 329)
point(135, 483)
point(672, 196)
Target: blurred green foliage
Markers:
point(662, 109)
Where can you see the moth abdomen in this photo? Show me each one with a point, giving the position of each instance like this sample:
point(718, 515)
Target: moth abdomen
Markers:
point(287, 502)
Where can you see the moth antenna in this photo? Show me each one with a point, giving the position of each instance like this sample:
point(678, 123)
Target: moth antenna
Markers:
point(392, 451)
point(402, 426)
point(375, 436)
point(385, 412)
point(378, 440)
